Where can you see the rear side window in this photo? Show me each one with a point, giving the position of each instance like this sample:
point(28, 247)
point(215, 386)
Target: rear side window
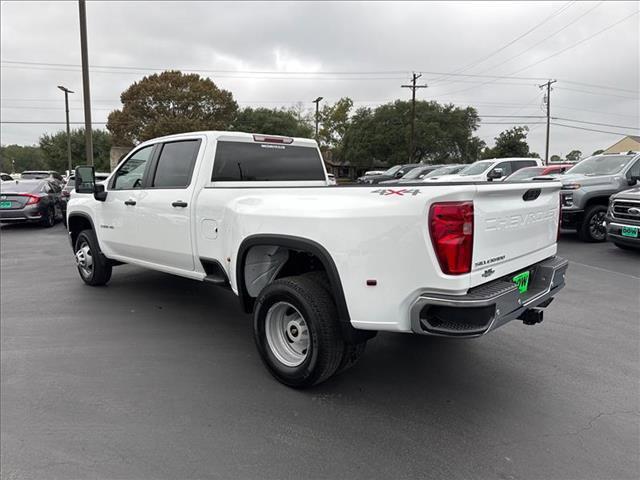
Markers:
point(240, 161)
point(522, 164)
point(175, 164)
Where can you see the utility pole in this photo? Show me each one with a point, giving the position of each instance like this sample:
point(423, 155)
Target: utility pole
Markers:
point(413, 86)
point(317, 102)
point(66, 108)
point(548, 103)
point(88, 140)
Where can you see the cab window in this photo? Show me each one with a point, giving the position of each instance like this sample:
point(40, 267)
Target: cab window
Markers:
point(505, 167)
point(129, 175)
point(175, 164)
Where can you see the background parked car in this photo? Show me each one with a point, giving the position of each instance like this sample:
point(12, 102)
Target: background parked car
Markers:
point(586, 189)
point(30, 201)
point(529, 173)
point(443, 170)
point(395, 172)
point(5, 177)
point(623, 219)
point(490, 170)
point(414, 175)
point(51, 175)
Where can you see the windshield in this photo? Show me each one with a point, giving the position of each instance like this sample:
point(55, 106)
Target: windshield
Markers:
point(35, 175)
point(392, 170)
point(415, 173)
point(525, 173)
point(476, 168)
point(21, 187)
point(445, 170)
point(601, 165)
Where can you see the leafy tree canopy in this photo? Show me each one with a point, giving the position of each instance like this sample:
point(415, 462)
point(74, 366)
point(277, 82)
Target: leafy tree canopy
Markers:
point(574, 156)
point(555, 158)
point(334, 121)
point(167, 103)
point(444, 134)
point(510, 143)
point(54, 149)
point(272, 122)
point(18, 158)
point(597, 152)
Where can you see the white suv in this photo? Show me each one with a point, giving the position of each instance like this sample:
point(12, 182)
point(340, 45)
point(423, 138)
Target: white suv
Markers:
point(489, 170)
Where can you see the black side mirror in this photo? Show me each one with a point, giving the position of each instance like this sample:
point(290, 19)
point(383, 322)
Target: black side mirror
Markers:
point(634, 179)
point(399, 174)
point(85, 179)
point(494, 174)
point(86, 183)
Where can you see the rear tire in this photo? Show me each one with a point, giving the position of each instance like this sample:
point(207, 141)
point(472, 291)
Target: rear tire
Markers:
point(297, 333)
point(93, 267)
point(592, 228)
point(50, 218)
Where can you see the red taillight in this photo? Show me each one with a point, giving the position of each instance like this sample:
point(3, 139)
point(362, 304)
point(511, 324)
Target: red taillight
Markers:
point(264, 138)
point(451, 228)
point(33, 199)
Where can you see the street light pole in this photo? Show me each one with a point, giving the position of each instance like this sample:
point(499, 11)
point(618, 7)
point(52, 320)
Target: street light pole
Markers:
point(317, 102)
point(66, 108)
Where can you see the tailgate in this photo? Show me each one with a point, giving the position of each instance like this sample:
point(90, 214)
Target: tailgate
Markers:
point(13, 201)
point(516, 225)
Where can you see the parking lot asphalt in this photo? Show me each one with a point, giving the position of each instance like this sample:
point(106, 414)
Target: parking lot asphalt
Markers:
point(156, 377)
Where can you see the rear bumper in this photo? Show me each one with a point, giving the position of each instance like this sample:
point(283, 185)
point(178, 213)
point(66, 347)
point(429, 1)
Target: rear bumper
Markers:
point(26, 214)
point(488, 306)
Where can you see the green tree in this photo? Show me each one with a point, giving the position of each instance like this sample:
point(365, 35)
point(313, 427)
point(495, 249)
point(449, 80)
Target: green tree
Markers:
point(167, 103)
point(271, 122)
point(334, 121)
point(574, 156)
point(444, 134)
point(54, 149)
point(555, 158)
point(597, 152)
point(510, 143)
point(18, 158)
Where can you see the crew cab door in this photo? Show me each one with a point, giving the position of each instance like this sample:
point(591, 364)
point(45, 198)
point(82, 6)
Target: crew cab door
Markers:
point(117, 216)
point(164, 207)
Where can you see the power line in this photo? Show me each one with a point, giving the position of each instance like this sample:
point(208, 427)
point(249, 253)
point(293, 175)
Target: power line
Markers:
point(607, 87)
point(522, 52)
point(258, 72)
point(589, 129)
point(550, 56)
point(595, 123)
point(597, 93)
point(508, 44)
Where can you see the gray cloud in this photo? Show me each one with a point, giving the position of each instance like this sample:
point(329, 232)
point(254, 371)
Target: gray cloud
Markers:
point(330, 37)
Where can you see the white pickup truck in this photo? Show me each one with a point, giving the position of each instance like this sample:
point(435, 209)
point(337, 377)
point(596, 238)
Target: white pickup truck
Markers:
point(321, 268)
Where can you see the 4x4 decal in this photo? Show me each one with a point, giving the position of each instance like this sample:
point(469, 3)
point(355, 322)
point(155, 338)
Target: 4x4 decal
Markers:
point(400, 192)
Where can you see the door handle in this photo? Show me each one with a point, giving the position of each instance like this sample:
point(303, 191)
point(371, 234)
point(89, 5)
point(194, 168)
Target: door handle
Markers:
point(179, 203)
point(130, 202)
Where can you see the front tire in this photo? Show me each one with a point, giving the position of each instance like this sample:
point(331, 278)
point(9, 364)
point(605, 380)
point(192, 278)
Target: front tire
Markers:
point(592, 228)
point(297, 332)
point(93, 267)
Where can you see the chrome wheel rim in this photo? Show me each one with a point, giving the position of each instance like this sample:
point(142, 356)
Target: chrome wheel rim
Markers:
point(596, 226)
point(84, 260)
point(287, 334)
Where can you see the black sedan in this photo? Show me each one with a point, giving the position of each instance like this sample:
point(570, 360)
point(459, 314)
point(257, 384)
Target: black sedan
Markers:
point(36, 201)
point(394, 173)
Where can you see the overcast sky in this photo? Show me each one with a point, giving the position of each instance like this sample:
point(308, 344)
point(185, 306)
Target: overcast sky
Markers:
point(379, 43)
